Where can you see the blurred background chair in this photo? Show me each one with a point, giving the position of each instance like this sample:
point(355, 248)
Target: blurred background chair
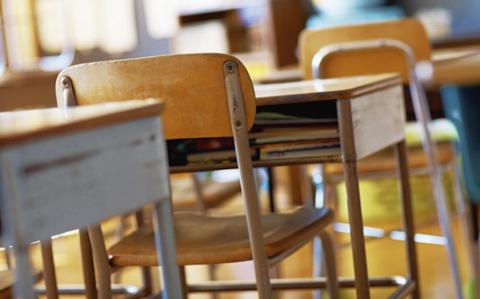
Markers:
point(382, 47)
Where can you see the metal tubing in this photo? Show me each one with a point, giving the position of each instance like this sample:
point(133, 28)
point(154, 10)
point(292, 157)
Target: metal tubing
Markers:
point(165, 243)
point(80, 290)
point(330, 265)
point(404, 290)
point(408, 223)
point(354, 205)
point(422, 113)
point(292, 284)
point(247, 181)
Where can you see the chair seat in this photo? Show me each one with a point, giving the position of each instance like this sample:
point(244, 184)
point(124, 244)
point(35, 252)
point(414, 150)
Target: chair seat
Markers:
point(441, 130)
point(384, 161)
point(214, 240)
point(215, 193)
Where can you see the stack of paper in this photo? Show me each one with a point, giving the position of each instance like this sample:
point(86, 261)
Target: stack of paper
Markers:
point(282, 136)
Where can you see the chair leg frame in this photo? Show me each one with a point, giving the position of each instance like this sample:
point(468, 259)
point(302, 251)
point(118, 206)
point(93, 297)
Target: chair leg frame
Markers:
point(299, 284)
point(405, 191)
point(330, 265)
point(203, 208)
point(247, 181)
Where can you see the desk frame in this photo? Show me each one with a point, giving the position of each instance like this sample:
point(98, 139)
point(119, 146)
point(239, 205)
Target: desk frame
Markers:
point(358, 115)
point(64, 159)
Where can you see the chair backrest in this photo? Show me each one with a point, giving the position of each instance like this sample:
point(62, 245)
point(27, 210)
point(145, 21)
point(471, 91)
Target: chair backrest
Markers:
point(206, 95)
point(372, 61)
point(192, 86)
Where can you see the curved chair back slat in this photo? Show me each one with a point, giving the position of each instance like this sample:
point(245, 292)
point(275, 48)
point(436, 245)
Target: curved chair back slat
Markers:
point(192, 86)
point(361, 62)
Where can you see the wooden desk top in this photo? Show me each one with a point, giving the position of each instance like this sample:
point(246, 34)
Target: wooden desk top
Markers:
point(460, 66)
point(322, 90)
point(456, 41)
point(23, 126)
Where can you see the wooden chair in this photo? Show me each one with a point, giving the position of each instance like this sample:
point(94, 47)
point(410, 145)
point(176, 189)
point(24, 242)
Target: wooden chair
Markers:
point(207, 95)
point(373, 48)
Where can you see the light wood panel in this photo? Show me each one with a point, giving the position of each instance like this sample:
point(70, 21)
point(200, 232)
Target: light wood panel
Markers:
point(83, 170)
point(28, 125)
point(192, 86)
point(378, 123)
point(456, 66)
point(409, 31)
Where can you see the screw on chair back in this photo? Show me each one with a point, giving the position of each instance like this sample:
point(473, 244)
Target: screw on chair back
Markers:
point(365, 61)
point(206, 95)
point(192, 86)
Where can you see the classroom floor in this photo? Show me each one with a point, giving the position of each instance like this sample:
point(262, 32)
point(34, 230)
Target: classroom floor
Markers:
point(385, 257)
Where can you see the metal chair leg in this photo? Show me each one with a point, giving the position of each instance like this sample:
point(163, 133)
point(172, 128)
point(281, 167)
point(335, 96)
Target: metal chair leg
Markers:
point(330, 265)
point(406, 198)
point(356, 231)
point(422, 114)
point(329, 200)
point(202, 208)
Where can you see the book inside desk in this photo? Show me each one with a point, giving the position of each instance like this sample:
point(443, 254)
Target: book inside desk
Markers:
point(281, 135)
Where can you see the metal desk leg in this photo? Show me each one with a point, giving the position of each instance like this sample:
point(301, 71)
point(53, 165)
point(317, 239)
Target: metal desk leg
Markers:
point(166, 247)
point(356, 230)
point(353, 194)
point(405, 191)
